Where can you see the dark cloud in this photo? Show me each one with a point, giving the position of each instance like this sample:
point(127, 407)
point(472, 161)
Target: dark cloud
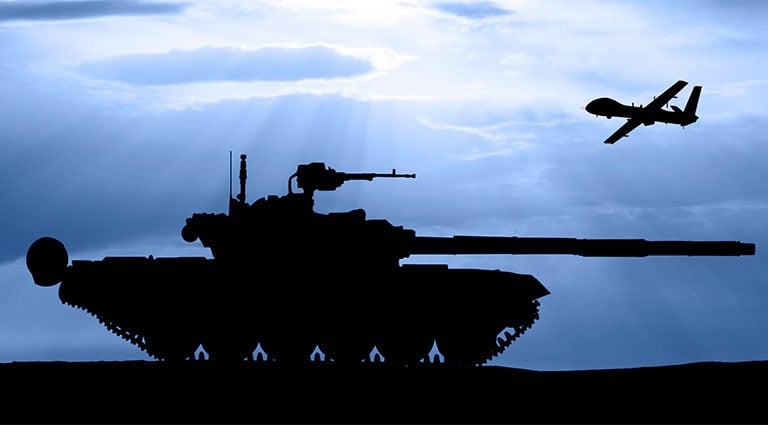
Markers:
point(471, 10)
point(209, 64)
point(77, 9)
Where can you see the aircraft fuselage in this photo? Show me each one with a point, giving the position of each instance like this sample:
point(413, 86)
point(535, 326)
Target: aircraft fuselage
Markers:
point(609, 108)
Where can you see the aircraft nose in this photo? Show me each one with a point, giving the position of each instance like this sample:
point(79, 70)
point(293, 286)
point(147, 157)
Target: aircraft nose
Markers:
point(603, 106)
point(593, 107)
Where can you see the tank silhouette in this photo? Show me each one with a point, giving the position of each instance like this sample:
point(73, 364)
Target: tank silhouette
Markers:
point(296, 283)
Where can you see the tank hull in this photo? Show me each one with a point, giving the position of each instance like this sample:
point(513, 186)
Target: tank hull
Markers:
point(173, 307)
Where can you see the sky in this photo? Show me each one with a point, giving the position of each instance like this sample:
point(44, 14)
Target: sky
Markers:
point(117, 119)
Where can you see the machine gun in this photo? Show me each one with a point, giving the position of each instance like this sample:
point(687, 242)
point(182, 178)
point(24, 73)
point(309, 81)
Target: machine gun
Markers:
point(316, 176)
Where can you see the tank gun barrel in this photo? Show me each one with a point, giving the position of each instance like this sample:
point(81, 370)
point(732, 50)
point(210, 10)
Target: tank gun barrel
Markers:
point(316, 176)
point(458, 245)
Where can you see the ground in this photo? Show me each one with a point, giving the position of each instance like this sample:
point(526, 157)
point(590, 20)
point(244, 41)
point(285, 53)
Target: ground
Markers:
point(204, 392)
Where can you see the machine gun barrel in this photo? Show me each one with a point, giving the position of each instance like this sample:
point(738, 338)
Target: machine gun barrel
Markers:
point(458, 245)
point(370, 176)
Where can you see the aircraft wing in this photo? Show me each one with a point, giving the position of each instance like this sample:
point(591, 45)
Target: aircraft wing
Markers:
point(666, 96)
point(656, 103)
point(628, 126)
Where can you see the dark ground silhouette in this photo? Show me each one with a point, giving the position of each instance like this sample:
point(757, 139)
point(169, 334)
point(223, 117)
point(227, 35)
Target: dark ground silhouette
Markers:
point(209, 392)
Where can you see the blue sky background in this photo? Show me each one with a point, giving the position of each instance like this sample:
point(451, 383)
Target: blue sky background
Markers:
point(117, 119)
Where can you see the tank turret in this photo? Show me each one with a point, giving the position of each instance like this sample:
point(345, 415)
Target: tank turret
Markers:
point(291, 285)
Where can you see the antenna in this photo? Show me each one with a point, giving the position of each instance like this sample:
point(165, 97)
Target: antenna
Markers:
point(241, 195)
point(230, 174)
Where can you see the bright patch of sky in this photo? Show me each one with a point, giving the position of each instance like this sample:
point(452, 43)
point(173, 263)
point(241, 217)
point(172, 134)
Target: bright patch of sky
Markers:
point(517, 53)
point(118, 116)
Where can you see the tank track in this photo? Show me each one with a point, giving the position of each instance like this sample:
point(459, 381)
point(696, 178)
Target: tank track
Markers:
point(134, 337)
point(508, 338)
point(485, 354)
point(491, 349)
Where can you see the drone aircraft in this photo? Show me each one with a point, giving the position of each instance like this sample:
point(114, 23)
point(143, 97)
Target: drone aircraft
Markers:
point(649, 114)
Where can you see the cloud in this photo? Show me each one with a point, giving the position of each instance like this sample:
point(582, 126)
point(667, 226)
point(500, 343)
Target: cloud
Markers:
point(62, 10)
point(216, 64)
point(472, 10)
point(482, 132)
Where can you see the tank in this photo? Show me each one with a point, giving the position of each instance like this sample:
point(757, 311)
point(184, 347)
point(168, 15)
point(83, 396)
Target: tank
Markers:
point(288, 285)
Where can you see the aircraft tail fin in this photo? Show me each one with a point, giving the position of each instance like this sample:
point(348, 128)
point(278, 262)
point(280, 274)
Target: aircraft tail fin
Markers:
point(693, 102)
